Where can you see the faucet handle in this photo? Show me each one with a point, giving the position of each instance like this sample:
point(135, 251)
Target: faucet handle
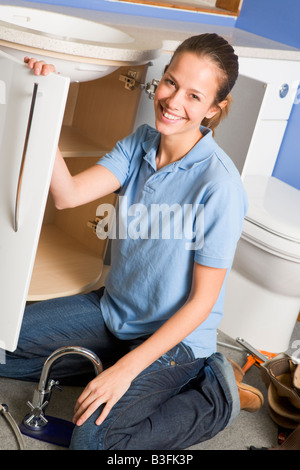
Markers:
point(37, 408)
point(36, 419)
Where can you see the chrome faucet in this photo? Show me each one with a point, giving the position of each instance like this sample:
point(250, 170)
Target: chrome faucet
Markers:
point(36, 420)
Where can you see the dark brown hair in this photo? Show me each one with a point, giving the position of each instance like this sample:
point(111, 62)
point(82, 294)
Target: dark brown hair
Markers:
point(217, 49)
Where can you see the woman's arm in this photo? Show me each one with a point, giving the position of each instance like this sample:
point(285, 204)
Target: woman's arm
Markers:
point(111, 384)
point(71, 191)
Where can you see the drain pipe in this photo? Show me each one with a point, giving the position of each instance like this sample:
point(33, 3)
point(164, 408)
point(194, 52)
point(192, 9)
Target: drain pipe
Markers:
point(5, 412)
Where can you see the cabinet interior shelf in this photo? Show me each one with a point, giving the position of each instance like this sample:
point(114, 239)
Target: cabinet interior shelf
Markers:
point(74, 144)
point(63, 266)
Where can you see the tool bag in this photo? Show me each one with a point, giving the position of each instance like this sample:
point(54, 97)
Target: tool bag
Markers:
point(282, 379)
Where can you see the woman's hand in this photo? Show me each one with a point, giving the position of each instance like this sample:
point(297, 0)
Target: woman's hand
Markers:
point(39, 67)
point(108, 388)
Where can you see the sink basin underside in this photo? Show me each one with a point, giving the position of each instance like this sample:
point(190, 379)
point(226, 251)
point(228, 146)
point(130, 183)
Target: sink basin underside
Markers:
point(69, 66)
point(68, 42)
point(67, 28)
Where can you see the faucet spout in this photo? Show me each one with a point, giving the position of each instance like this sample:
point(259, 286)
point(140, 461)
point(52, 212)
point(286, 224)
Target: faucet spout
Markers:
point(35, 420)
point(43, 391)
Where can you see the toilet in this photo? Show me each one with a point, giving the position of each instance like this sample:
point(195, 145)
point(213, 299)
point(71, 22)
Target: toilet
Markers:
point(262, 300)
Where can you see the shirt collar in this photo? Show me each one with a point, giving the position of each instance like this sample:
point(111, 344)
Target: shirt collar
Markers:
point(150, 147)
point(200, 152)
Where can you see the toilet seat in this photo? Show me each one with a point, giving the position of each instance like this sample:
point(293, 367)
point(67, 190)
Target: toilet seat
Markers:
point(273, 218)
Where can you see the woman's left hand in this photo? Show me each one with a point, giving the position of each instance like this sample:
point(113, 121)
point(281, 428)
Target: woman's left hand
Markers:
point(108, 387)
point(39, 67)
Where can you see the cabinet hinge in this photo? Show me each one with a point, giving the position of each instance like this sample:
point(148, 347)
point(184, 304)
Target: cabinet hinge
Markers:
point(130, 80)
point(150, 88)
point(96, 225)
point(131, 83)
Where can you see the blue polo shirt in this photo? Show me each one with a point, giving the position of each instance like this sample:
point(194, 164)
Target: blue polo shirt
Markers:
point(189, 211)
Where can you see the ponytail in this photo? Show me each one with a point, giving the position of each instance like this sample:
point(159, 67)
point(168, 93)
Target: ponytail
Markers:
point(213, 122)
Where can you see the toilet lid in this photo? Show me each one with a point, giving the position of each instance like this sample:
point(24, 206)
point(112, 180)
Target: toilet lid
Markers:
point(268, 241)
point(274, 206)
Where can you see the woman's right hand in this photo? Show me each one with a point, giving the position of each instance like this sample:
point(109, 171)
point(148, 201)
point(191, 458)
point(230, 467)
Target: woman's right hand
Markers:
point(39, 67)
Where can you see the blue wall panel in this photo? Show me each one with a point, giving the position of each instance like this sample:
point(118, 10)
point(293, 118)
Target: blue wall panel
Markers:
point(273, 19)
point(287, 166)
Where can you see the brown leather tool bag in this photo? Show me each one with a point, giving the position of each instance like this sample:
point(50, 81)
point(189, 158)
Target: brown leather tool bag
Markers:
point(281, 376)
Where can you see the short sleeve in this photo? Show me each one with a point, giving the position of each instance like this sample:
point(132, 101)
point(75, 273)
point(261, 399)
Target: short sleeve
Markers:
point(224, 210)
point(118, 160)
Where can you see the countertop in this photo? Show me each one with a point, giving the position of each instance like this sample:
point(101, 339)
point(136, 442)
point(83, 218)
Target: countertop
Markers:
point(152, 37)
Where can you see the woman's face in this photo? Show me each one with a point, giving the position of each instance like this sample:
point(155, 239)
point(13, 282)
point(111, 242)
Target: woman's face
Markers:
point(186, 95)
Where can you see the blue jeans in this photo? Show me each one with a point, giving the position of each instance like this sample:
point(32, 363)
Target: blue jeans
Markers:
point(176, 402)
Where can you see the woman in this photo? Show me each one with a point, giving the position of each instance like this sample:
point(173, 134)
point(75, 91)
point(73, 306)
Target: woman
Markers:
point(154, 327)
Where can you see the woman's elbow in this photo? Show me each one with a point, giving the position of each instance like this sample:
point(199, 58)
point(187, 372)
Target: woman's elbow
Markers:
point(62, 203)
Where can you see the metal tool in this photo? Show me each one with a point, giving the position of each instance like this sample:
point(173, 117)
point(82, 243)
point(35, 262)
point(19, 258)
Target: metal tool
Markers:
point(262, 357)
point(255, 357)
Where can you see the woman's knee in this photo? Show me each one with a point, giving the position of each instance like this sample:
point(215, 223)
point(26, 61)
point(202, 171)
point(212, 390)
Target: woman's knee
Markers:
point(88, 435)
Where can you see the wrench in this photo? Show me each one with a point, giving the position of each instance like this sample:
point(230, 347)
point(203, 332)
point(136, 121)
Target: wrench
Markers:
point(251, 350)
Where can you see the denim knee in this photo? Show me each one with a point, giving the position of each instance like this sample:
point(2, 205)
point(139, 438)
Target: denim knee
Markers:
point(126, 425)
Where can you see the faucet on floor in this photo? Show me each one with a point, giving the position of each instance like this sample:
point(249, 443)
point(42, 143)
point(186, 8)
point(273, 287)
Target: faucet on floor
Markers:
point(36, 420)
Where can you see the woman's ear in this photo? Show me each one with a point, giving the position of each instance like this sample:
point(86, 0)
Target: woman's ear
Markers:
point(216, 108)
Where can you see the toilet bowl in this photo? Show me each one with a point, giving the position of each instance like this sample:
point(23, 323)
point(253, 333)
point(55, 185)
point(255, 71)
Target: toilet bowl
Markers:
point(262, 300)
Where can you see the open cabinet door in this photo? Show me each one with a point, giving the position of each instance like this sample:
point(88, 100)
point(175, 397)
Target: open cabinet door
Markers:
point(31, 113)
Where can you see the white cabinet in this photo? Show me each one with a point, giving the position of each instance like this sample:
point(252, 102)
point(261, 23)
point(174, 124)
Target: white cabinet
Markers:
point(31, 112)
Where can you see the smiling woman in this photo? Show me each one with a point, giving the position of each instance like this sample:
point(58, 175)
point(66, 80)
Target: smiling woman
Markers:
point(154, 326)
point(183, 102)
